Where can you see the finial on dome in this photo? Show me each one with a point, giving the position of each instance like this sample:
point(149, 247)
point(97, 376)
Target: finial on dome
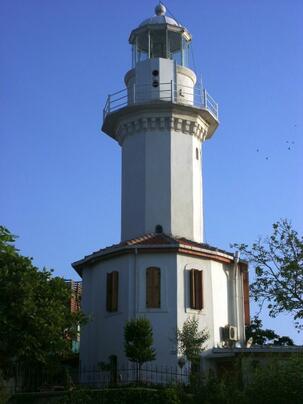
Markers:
point(160, 9)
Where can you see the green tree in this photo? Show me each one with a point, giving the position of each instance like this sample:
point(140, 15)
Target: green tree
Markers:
point(138, 336)
point(36, 324)
point(280, 381)
point(190, 340)
point(278, 262)
point(262, 336)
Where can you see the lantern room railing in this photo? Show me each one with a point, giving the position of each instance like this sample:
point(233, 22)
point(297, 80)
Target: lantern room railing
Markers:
point(196, 97)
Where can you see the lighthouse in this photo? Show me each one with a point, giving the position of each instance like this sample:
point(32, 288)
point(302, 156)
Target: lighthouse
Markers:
point(160, 121)
point(161, 268)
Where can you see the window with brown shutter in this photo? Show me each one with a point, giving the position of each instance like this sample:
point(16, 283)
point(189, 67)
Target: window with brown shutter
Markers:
point(153, 288)
point(196, 289)
point(112, 287)
point(245, 278)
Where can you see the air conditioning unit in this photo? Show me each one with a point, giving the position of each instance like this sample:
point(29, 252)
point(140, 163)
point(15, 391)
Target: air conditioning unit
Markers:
point(232, 333)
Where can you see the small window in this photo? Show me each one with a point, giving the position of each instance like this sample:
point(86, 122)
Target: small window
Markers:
point(197, 153)
point(155, 73)
point(196, 289)
point(112, 288)
point(155, 83)
point(153, 288)
point(158, 229)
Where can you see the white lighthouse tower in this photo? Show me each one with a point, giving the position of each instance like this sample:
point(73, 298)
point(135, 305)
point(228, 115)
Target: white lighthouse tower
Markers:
point(161, 121)
point(161, 269)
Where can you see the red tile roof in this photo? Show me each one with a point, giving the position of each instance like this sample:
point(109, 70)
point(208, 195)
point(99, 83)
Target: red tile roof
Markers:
point(156, 241)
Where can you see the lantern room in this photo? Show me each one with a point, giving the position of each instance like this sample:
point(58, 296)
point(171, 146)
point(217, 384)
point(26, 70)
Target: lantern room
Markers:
point(160, 37)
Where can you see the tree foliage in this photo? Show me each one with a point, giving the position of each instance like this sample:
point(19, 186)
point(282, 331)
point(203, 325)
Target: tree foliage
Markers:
point(190, 340)
point(278, 262)
point(280, 381)
point(138, 335)
point(36, 324)
point(262, 336)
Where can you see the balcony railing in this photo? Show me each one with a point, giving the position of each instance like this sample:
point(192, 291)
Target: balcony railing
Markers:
point(170, 92)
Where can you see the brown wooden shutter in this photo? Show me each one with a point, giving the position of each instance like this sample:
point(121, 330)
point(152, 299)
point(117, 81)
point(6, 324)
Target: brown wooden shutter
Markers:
point(157, 288)
point(199, 290)
point(196, 289)
point(192, 288)
point(108, 291)
point(153, 288)
point(246, 294)
point(112, 290)
point(115, 289)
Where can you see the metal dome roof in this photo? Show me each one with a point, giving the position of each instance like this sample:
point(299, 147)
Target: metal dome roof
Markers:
point(159, 19)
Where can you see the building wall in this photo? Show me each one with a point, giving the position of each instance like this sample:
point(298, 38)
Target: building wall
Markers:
point(103, 335)
point(161, 175)
point(218, 297)
point(219, 277)
point(164, 319)
point(205, 316)
point(162, 184)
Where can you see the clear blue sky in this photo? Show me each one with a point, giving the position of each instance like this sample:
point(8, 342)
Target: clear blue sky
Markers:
point(60, 176)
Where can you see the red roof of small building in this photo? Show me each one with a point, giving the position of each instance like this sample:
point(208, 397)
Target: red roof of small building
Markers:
point(156, 242)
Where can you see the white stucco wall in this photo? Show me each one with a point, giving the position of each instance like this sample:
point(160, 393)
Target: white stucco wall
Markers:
point(161, 176)
point(163, 320)
point(218, 297)
point(161, 184)
point(133, 186)
point(205, 316)
point(103, 335)
point(220, 300)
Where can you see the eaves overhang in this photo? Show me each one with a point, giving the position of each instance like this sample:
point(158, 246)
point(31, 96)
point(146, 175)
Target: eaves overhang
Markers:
point(159, 27)
point(178, 247)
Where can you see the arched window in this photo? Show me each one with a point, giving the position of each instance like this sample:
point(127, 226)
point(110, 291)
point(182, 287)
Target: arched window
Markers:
point(197, 153)
point(112, 288)
point(153, 288)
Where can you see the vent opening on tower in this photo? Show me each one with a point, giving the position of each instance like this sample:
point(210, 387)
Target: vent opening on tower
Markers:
point(159, 228)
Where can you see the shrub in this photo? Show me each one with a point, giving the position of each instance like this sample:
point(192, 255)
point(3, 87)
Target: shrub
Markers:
point(281, 381)
point(4, 394)
point(134, 395)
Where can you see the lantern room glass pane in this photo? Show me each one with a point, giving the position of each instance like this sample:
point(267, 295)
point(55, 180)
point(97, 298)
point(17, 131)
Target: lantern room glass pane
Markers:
point(158, 44)
point(178, 48)
point(142, 47)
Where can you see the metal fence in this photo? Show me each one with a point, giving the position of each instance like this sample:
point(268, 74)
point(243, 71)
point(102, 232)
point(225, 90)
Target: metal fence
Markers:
point(170, 92)
point(34, 380)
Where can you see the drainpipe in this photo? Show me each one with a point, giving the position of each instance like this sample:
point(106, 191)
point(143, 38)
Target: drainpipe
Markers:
point(135, 281)
point(235, 287)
